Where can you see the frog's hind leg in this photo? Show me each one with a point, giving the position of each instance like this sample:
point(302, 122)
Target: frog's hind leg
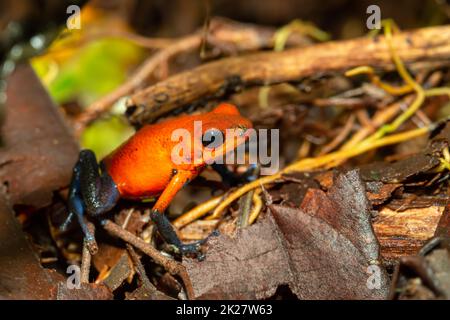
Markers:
point(91, 191)
point(100, 193)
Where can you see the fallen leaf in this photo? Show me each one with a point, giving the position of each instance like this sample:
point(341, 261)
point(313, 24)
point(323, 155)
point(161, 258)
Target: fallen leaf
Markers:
point(321, 251)
point(38, 152)
point(21, 274)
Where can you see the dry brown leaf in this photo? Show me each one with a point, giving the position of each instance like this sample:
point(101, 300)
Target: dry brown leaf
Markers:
point(321, 251)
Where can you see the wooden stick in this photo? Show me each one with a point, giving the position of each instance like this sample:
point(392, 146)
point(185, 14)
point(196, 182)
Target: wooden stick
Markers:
point(86, 257)
point(217, 79)
point(226, 34)
point(172, 266)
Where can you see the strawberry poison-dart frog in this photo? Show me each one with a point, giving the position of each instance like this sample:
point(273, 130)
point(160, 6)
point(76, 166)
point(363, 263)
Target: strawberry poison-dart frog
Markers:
point(144, 167)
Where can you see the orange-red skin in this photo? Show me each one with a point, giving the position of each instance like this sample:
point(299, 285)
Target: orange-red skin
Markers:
point(142, 166)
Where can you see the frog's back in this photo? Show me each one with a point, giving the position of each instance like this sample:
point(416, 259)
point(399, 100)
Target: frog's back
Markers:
point(141, 167)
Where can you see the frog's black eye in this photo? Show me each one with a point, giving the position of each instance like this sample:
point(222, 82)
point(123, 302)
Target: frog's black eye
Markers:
point(212, 138)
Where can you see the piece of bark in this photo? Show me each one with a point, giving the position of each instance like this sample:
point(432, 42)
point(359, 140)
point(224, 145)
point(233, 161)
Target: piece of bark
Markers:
point(121, 271)
point(378, 192)
point(87, 291)
point(403, 233)
point(144, 293)
point(402, 225)
point(443, 227)
point(399, 171)
point(216, 79)
point(38, 152)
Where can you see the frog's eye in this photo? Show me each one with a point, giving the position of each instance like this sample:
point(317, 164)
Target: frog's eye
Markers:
point(212, 138)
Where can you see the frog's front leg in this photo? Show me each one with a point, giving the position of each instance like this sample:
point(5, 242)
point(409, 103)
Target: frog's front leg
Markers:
point(163, 224)
point(92, 191)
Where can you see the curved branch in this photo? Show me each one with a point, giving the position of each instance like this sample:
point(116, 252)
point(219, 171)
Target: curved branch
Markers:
point(216, 79)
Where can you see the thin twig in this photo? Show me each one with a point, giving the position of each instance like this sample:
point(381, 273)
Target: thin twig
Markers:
point(172, 266)
point(344, 132)
point(86, 257)
point(364, 118)
point(140, 270)
point(257, 206)
point(380, 118)
point(341, 102)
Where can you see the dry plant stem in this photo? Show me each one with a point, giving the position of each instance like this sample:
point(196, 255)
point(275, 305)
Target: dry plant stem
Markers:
point(363, 118)
point(244, 209)
point(215, 79)
point(377, 81)
point(423, 118)
point(341, 102)
point(140, 270)
point(380, 118)
point(388, 113)
point(85, 264)
point(313, 163)
point(86, 257)
point(340, 137)
point(257, 206)
point(412, 109)
point(172, 266)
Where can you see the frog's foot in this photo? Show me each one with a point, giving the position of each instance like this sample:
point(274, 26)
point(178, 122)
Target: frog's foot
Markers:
point(169, 235)
point(194, 248)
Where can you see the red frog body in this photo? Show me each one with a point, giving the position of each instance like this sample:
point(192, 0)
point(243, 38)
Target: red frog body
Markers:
point(144, 166)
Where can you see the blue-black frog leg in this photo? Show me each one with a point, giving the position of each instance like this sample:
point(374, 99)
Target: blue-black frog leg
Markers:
point(92, 191)
point(230, 179)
